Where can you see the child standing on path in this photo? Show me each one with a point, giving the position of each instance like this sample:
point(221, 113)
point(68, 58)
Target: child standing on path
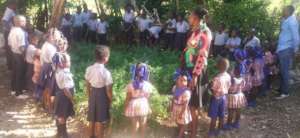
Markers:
point(63, 105)
point(180, 111)
point(99, 88)
point(137, 106)
point(219, 86)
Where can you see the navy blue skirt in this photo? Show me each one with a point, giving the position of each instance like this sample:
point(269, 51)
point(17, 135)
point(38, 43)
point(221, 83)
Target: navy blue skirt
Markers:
point(98, 109)
point(47, 78)
point(63, 106)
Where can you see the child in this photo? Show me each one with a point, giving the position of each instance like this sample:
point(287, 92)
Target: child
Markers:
point(236, 99)
point(271, 68)
point(170, 30)
point(256, 54)
point(137, 107)
point(219, 86)
point(181, 113)
point(38, 90)
point(18, 41)
point(182, 28)
point(63, 107)
point(77, 25)
point(128, 24)
point(92, 28)
point(143, 24)
point(232, 43)
point(154, 32)
point(99, 89)
point(31, 52)
point(220, 39)
point(66, 25)
point(102, 26)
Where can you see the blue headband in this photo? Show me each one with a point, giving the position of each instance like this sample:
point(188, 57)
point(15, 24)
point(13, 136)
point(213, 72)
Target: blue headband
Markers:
point(179, 72)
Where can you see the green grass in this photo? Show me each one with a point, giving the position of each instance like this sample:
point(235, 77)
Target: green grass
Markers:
point(162, 66)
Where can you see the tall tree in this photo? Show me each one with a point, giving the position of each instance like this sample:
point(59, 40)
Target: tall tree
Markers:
point(57, 11)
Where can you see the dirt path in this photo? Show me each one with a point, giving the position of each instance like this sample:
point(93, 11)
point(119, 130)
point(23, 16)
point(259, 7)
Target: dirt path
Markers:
point(24, 118)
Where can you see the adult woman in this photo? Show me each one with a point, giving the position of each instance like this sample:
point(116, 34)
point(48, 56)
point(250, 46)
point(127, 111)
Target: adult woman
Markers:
point(195, 56)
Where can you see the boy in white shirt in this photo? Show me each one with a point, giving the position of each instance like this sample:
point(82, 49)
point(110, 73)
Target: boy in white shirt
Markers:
point(154, 32)
point(99, 88)
point(128, 24)
point(86, 16)
point(77, 24)
point(170, 30)
point(143, 24)
point(18, 41)
point(92, 28)
point(251, 40)
point(182, 27)
point(7, 22)
point(102, 27)
point(220, 39)
point(66, 25)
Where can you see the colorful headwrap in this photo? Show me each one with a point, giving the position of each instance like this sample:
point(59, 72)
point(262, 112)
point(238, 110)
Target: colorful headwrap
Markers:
point(180, 72)
point(139, 74)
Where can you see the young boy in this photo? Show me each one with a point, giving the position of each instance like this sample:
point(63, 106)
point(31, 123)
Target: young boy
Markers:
point(170, 30)
point(220, 39)
point(143, 24)
point(92, 28)
point(18, 41)
point(102, 26)
point(182, 27)
point(99, 88)
point(219, 86)
point(128, 23)
point(31, 52)
point(77, 25)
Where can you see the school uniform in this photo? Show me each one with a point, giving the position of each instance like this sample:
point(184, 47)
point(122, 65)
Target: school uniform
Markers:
point(258, 69)
point(7, 23)
point(220, 86)
point(128, 20)
point(47, 79)
point(143, 26)
point(102, 32)
point(63, 106)
point(170, 33)
point(29, 57)
point(18, 41)
point(92, 28)
point(77, 26)
point(38, 90)
point(236, 98)
point(253, 42)
point(98, 103)
point(85, 19)
point(181, 34)
point(220, 39)
point(232, 41)
point(181, 97)
point(154, 33)
point(66, 26)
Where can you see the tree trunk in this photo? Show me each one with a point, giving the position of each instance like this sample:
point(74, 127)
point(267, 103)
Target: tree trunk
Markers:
point(57, 11)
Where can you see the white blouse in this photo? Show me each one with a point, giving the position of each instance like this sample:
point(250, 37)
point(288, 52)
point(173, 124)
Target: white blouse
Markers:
point(98, 76)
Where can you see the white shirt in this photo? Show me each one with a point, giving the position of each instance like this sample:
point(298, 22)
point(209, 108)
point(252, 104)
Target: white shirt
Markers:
point(77, 20)
point(171, 25)
point(182, 27)
point(128, 17)
point(102, 27)
point(220, 38)
point(65, 22)
point(236, 41)
point(8, 15)
point(64, 78)
point(254, 42)
point(30, 53)
point(47, 52)
point(92, 24)
point(155, 30)
point(85, 16)
point(143, 24)
point(98, 76)
point(16, 39)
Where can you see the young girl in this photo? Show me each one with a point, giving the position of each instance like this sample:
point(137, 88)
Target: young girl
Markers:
point(271, 69)
point(219, 86)
point(102, 26)
point(38, 90)
point(31, 52)
point(99, 88)
point(257, 73)
point(180, 111)
point(63, 106)
point(236, 99)
point(232, 43)
point(137, 107)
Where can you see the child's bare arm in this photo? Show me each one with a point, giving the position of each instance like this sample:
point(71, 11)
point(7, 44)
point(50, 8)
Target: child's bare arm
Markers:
point(88, 88)
point(69, 95)
point(109, 93)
